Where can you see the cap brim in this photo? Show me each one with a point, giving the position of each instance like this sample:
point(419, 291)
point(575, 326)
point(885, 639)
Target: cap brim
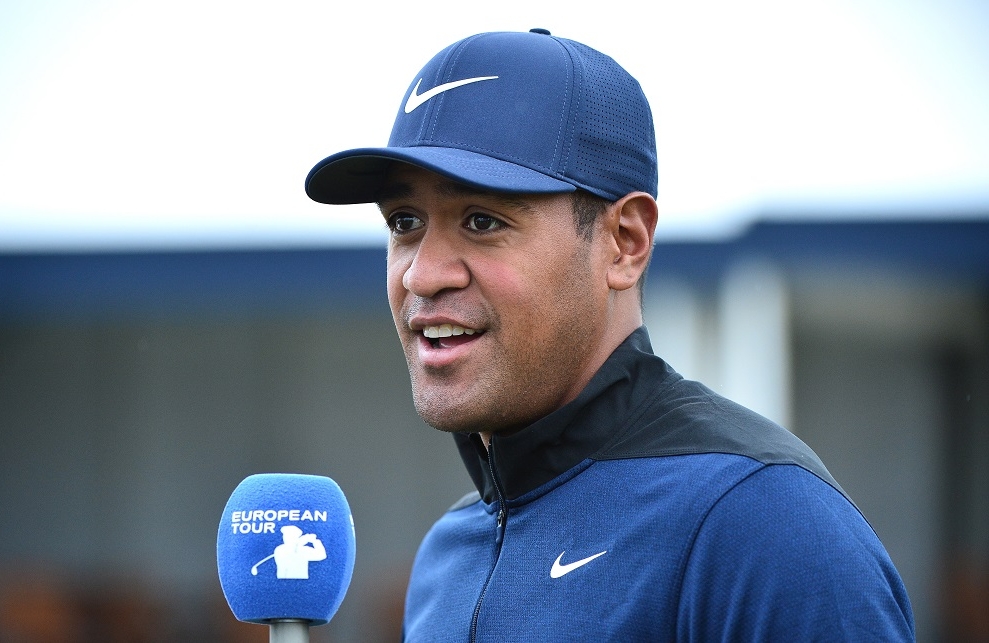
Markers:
point(355, 176)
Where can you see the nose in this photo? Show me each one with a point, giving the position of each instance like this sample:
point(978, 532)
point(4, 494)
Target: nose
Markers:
point(438, 265)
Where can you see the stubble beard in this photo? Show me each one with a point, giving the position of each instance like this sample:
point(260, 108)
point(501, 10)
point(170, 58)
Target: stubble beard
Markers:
point(508, 396)
point(514, 388)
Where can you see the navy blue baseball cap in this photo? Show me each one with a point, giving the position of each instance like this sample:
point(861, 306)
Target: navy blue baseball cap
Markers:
point(517, 112)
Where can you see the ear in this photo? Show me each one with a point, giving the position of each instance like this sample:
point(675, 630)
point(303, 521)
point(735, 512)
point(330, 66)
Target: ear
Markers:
point(632, 223)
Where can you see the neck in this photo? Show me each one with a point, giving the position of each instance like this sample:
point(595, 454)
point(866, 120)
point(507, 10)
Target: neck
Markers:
point(617, 334)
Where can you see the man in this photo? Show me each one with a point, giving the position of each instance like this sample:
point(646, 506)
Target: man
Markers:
point(297, 550)
point(616, 500)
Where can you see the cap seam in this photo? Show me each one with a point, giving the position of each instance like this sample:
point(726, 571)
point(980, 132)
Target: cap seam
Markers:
point(569, 121)
point(445, 74)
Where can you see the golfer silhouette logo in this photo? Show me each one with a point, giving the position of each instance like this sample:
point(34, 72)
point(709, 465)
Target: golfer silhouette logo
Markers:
point(293, 556)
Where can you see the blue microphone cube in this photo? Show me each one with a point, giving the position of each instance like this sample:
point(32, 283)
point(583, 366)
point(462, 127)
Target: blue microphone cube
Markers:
point(285, 548)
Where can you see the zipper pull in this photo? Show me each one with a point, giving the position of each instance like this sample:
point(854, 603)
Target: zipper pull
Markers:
point(500, 529)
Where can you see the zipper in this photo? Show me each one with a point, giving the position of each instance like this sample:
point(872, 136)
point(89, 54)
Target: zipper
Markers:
point(499, 539)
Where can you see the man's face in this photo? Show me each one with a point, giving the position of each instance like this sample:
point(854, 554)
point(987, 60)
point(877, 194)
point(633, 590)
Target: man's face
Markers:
point(499, 303)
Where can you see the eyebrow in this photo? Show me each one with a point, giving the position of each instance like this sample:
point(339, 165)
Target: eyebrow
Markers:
point(393, 190)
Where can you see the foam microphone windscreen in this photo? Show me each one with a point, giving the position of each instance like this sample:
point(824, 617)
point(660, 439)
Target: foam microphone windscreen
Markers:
point(285, 548)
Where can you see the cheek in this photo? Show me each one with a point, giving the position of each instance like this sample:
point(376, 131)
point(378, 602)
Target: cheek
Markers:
point(508, 288)
point(529, 298)
point(577, 292)
point(395, 289)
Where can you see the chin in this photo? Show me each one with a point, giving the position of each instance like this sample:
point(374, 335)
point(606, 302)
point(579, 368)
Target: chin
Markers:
point(451, 418)
point(448, 421)
point(466, 418)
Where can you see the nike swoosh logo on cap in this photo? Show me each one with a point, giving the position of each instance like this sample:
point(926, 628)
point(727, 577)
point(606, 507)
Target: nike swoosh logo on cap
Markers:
point(415, 99)
point(559, 570)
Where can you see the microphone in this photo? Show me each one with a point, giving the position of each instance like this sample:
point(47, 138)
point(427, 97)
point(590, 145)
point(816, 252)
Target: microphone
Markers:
point(285, 552)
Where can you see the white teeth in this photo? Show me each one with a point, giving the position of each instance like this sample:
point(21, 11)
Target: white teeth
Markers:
point(446, 330)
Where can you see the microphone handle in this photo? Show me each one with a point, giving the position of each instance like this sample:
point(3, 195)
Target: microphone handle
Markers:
point(289, 631)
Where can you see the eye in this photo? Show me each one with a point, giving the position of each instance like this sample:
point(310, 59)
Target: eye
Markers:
point(480, 222)
point(403, 222)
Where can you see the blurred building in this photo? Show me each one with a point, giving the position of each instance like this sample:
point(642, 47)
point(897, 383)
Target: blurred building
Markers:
point(138, 389)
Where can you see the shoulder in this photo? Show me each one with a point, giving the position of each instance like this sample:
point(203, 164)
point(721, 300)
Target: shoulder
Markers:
point(785, 506)
point(784, 552)
point(686, 417)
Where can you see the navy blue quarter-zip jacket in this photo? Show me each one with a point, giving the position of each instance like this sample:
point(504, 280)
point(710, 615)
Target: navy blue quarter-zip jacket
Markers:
point(652, 509)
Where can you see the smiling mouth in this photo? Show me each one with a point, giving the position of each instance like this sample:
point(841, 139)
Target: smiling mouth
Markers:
point(449, 335)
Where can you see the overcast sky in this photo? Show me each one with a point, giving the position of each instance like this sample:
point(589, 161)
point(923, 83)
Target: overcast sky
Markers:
point(136, 124)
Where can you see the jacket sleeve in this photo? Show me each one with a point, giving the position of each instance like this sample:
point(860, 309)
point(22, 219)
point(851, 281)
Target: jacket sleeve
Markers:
point(783, 556)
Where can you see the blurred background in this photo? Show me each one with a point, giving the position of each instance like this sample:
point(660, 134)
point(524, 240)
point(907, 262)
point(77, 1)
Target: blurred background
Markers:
point(175, 314)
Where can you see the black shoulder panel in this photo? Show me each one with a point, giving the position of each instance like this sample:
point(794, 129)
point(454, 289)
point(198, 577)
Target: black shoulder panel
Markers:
point(689, 418)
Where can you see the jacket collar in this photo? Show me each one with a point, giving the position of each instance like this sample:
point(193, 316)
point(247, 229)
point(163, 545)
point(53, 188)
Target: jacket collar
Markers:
point(556, 443)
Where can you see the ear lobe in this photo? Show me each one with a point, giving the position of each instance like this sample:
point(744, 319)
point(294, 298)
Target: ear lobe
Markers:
point(633, 224)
